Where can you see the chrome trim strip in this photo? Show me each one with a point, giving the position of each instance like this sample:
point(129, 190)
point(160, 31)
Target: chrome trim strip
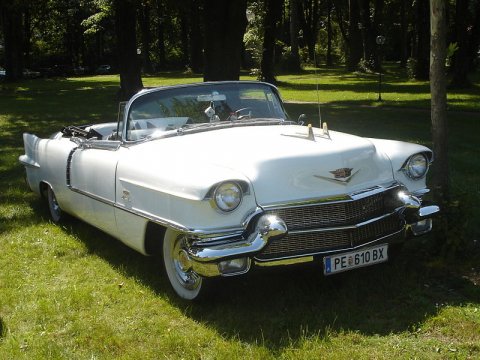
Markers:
point(333, 251)
point(334, 199)
point(212, 235)
point(92, 196)
point(153, 218)
point(337, 228)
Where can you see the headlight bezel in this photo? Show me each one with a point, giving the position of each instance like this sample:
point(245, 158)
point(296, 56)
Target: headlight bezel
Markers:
point(411, 166)
point(220, 195)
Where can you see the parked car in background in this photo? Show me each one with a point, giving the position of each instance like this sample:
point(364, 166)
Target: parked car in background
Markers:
point(80, 70)
point(2, 73)
point(30, 74)
point(218, 180)
point(103, 70)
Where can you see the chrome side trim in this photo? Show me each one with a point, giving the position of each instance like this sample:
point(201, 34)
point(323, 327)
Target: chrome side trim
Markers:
point(212, 235)
point(92, 196)
point(215, 235)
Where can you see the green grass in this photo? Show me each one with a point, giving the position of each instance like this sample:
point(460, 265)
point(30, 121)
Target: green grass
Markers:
point(72, 292)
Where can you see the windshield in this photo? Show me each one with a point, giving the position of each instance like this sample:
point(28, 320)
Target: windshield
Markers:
point(185, 107)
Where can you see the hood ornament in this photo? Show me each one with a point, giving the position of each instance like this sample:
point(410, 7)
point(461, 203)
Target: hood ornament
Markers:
point(342, 175)
point(310, 135)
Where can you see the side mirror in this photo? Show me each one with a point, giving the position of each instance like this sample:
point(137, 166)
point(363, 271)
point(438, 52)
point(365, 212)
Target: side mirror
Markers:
point(301, 119)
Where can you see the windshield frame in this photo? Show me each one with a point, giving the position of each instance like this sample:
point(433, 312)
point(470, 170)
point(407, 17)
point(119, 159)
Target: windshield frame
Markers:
point(204, 125)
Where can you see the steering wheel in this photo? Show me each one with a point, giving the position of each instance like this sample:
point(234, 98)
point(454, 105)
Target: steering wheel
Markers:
point(236, 115)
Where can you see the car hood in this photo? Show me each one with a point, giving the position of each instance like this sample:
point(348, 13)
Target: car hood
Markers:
point(280, 163)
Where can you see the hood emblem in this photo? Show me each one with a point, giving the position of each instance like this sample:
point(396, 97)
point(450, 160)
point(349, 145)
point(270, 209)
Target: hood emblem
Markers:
point(342, 175)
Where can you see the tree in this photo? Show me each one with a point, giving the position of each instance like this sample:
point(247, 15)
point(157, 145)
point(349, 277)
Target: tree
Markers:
point(422, 36)
point(462, 39)
point(329, 60)
point(196, 37)
point(225, 24)
point(273, 13)
point(294, 61)
point(128, 62)
point(356, 36)
point(310, 21)
point(439, 97)
point(145, 30)
point(404, 33)
point(12, 15)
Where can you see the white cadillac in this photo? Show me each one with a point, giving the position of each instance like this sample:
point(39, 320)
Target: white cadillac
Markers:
point(216, 179)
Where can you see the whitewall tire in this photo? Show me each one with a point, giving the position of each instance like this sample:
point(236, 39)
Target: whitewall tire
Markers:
point(184, 281)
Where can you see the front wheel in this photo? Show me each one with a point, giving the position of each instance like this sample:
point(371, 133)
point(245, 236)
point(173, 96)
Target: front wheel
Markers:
point(186, 282)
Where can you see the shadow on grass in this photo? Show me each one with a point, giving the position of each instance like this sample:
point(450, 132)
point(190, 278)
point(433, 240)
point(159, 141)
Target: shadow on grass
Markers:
point(3, 328)
point(271, 307)
point(279, 307)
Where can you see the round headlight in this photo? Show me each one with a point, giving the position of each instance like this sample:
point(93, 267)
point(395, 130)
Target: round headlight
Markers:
point(228, 196)
point(417, 166)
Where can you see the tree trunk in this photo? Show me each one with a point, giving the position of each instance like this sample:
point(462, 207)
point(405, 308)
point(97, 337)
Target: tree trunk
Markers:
point(310, 19)
point(423, 39)
point(460, 58)
point(12, 20)
point(439, 98)
point(184, 45)
point(144, 22)
point(128, 59)
point(404, 34)
point(295, 57)
point(225, 24)
point(354, 36)
point(196, 38)
point(27, 26)
point(329, 34)
point(474, 37)
point(273, 13)
point(161, 34)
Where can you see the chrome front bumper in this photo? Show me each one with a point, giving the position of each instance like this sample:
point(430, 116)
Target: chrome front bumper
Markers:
point(214, 260)
point(418, 217)
point(233, 257)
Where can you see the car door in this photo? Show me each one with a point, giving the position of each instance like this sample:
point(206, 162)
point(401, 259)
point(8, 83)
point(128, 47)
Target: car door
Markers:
point(91, 173)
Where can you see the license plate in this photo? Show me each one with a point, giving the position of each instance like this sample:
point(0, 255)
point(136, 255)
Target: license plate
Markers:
point(355, 259)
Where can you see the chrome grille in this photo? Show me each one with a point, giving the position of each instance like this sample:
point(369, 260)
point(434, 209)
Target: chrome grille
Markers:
point(334, 214)
point(298, 244)
point(344, 215)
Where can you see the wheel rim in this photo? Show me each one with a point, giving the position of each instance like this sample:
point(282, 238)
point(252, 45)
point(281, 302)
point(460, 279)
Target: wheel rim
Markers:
point(186, 282)
point(55, 209)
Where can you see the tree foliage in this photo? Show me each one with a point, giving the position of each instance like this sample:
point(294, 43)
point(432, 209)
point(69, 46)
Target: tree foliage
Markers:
point(280, 35)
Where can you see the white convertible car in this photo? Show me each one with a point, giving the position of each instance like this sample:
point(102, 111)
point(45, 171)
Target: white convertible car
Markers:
point(216, 179)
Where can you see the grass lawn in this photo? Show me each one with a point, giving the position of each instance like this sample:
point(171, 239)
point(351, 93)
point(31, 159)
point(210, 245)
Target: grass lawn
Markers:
point(72, 292)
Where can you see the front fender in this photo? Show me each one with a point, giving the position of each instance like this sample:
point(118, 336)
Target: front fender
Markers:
point(398, 152)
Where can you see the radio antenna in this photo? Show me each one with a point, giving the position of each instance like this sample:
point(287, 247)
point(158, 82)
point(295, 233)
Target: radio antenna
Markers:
point(316, 84)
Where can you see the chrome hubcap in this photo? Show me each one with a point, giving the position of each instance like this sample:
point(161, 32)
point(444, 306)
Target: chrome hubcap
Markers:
point(183, 268)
